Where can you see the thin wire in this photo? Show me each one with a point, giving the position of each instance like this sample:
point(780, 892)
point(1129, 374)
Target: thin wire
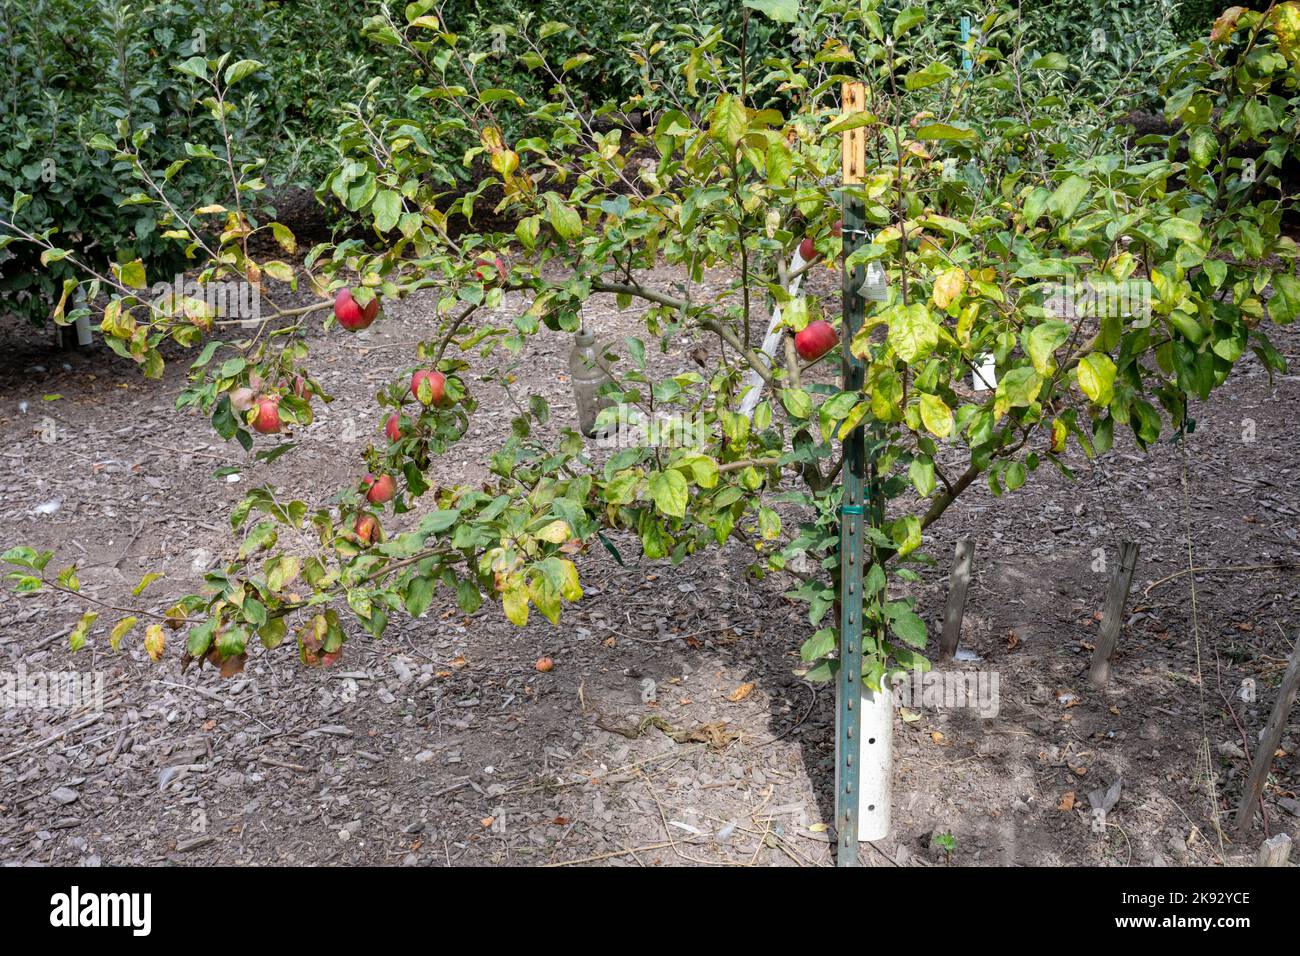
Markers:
point(1205, 754)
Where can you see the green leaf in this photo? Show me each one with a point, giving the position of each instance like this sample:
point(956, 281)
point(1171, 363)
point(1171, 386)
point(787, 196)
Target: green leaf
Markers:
point(921, 474)
point(819, 645)
point(908, 18)
point(419, 595)
point(668, 490)
point(797, 402)
point(905, 624)
point(1050, 61)
point(782, 11)
point(564, 219)
point(1016, 389)
point(145, 581)
point(944, 131)
point(1067, 197)
point(387, 208)
point(77, 639)
point(1043, 340)
point(237, 71)
point(936, 72)
point(906, 534)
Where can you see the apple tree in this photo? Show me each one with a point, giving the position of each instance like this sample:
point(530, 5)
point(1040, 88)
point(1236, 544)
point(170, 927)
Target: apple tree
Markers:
point(986, 194)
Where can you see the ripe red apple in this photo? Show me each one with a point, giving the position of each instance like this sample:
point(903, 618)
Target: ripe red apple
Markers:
point(437, 386)
point(268, 415)
point(837, 230)
point(366, 528)
point(350, 314)
point(483, 269)
point(393, 427)
point(371, 310)
point(814, 340)
point(379, 490)
point(545, 664)
point(807, 250)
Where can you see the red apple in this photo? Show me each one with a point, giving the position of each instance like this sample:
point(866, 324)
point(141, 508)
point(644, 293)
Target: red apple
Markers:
point(366, 528)
point(267, 420)
point(837, 230)
point(379, 490)
point(350, 314)
point(371, 310)
point(393, 427)
point(815, 339)
point(437, 386)
point(807, 250)
point(545, 665)
point(484, 266)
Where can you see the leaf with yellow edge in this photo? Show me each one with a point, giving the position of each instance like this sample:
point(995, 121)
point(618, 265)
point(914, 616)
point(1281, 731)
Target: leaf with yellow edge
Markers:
point(120, 630)
point(949, 286)
point(514, 601)
point(154, 641)
point(557, 532)
point(1096, 376)
point(1059, 431)
point(936, 415)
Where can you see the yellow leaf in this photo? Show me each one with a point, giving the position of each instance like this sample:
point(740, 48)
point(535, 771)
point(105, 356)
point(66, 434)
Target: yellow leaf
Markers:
point(949, 286)
point(154, 641)
point(120, 631)
point(514, 601)
point(557, 532)
point(740, 693)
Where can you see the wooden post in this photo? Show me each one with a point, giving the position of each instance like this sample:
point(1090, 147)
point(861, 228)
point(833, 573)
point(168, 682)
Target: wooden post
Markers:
point(849, 675)
point(1121, 579)
point(952, 614)
point(1274, 851)
point(1263, 758)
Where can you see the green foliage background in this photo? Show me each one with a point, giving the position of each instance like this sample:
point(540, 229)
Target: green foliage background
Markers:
point(76, 67)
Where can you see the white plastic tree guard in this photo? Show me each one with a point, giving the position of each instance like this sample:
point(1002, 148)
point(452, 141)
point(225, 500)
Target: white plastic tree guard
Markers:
point(875, 764)
point(754, 383)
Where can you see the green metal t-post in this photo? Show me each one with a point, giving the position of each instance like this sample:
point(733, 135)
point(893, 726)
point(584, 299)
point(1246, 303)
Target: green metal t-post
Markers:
point(849, 676)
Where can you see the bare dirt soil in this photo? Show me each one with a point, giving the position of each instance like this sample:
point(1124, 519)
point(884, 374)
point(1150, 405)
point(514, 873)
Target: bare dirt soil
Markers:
point(441, 744)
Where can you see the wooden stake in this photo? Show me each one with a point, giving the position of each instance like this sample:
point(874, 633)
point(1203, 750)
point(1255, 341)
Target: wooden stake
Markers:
point(956, 609)
point(1121, 580)
point(1263, 758)
point(1274, 851)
